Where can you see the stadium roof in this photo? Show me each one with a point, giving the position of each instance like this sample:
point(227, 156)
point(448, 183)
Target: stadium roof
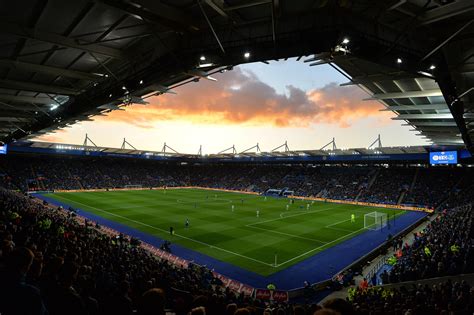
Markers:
point(66, 61)
point(417, 100)
point(53, 148)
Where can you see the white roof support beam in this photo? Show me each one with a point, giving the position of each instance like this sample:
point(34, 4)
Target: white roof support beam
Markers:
point(319, 62)
point(385, 96)
point(436, 129)
point(440, 132)
point(440, 106)
point(161, 89)
point(432, 124)
point(423, 116)
point(200, 74)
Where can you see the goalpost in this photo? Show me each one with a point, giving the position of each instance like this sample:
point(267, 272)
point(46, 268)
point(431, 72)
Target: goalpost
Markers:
point(375, 220)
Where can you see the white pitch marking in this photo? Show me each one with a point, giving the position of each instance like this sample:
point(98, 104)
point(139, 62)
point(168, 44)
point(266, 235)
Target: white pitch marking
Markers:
point(293, 215)
point(287, 234)
point(181, 236)
point(315, 249)
point(333, 241)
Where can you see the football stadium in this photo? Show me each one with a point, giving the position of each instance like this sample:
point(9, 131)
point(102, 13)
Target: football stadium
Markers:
point(88, 227)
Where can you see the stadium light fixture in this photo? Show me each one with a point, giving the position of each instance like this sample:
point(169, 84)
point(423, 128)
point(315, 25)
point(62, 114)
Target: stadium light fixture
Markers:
point(205, 65)
point(124, 87)
point(110, 95)
point(345, 41)
point(141, 82)
point(432, 67)
point(426, 74)
point(202, 58)
point(247, 55)
point(399, 60)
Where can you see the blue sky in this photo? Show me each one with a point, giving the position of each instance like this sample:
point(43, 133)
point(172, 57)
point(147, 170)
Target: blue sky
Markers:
point(281, 73)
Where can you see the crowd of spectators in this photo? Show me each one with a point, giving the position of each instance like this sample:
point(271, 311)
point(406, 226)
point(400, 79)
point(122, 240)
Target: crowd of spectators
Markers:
point(388, 185)
point(429, 186)
point(51, 263)
point(438, 299)
point(361, 183)
point(443, 248)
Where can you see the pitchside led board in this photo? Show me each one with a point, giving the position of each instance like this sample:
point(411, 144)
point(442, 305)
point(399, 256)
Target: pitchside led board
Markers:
point(3, 149)
point(444, 157)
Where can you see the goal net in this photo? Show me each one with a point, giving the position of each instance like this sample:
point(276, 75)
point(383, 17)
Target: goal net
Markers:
point(375, 220)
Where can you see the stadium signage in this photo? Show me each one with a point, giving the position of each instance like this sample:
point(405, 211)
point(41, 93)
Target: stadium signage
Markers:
point(247, 290)
point(263, 294)
point(444, 157)
point(234, 285)
point(267, 295)
point(3, 149)
point(280, 296)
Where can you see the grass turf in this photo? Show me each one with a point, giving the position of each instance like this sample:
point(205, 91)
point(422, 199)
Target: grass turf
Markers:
point(237, 237)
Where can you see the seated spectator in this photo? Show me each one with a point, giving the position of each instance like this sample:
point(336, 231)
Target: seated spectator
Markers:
point(18, 297)
point(152, 302)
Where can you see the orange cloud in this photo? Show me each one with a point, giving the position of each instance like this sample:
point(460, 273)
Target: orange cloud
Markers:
point(241, 98)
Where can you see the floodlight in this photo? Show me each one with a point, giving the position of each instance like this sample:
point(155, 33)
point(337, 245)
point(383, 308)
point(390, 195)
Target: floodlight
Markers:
point(345, 41)
point(202, 58)
point(247, 54)
point(432, 67)
point(141, 82)
point(124, 88)
point(399, 60)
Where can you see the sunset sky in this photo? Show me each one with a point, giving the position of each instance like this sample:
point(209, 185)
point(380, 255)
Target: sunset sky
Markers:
point(254, 103)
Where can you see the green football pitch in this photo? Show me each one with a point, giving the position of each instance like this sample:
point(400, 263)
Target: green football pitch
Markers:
point(224, 225)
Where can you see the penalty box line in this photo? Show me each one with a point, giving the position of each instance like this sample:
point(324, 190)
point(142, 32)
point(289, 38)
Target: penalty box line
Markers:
point(331, 242)
point(301, 212)
point(165, 231)
point(315, 249)
point(286, 234)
